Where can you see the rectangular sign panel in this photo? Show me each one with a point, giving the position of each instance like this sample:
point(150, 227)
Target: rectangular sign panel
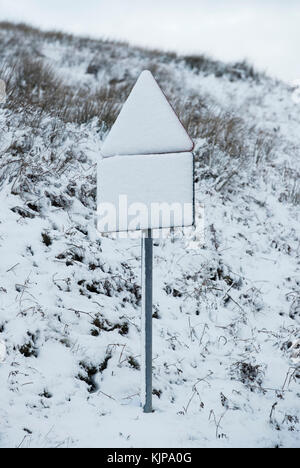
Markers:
point(151, 191)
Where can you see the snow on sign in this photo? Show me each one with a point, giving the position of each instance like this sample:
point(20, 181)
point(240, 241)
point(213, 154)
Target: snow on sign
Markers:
point(145, 176)
point(147, 124)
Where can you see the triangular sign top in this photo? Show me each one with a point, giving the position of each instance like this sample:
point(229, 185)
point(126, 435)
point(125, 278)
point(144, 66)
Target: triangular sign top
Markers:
point(147, 124)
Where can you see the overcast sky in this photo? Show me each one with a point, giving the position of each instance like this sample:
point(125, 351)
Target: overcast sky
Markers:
point(266, 32)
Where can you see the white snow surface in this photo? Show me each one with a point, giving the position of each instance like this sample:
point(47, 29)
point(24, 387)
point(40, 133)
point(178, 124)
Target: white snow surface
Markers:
point(2, 351)
point(146, 124)
point(148, 185)
point(226, 368)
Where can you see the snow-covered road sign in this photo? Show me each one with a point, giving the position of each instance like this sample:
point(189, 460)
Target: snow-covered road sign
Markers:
point(145, 182)
point(145, 176)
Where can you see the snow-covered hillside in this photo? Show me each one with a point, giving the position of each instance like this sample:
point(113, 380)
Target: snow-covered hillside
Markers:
point(226, 317)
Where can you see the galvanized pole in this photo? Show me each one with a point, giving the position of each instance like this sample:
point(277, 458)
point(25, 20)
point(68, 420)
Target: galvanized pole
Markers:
point(147, 265)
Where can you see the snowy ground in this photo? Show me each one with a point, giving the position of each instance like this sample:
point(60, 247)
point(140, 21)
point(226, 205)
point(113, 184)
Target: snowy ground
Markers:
point(226, 318)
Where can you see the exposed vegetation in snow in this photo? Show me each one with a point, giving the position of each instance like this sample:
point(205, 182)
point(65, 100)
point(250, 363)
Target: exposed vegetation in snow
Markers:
point(227, 313)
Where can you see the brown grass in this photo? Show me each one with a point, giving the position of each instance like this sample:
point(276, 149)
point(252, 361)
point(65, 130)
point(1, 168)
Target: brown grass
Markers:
point(33, 84)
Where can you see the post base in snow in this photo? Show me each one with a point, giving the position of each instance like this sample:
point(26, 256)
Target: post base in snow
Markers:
point(147, 265)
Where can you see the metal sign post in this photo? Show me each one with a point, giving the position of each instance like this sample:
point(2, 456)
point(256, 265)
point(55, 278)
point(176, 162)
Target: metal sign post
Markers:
point(147, 280)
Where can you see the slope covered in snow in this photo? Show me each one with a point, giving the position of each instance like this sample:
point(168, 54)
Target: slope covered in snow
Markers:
point(226, 312)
